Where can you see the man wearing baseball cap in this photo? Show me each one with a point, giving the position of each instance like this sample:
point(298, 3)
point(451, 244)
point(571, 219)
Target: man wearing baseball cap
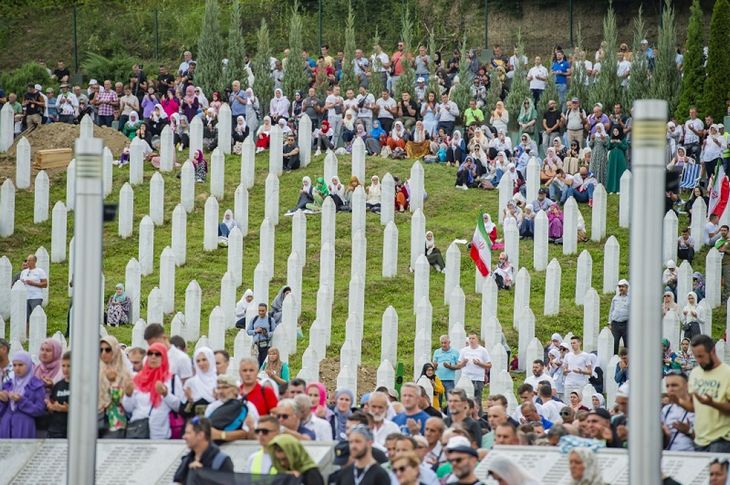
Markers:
point(463, 459)
point(618, 316)
point(363, 468)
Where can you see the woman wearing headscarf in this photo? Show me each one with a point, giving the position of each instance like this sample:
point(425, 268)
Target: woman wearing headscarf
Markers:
point(500, 117)
point(158, 120)
point(227, 224)
point(319, 193)
point(337, 192)
point(350, 190)
point(456, 149)
point(528, 117)
point(599, 153)
point(679, 161)
point(467, 175)
point(263, 135)
point(22, 400)
point(433, 254)
point(550, 165)
point(669, 305)
point(419, 146)
point(506, 472)
point(504, 272)
point(598, 400)
point(698, 285)
point(170, 103)
point(306, 196)
point(670, 360)
point(560, 150)
point(374, 192)
point(118, 307)
point(571, 161)
point(275, 368)
point(181, 130)
point(190, 105)
point(348, 128)
point(401, 195)
point(584, 469)
point(692, 321)
point(344, 399)
point(200, 166)
point(210, 129)
point(153, 394)
point(290, 457)
point(617, 148)
point(296, 106)
point(555, 224)
point(576, 401)
point(253, 111)
point(199, 390)
point(429, 372)
point(277, 306)
point(215, 102)
point(113, 378)
point(698, 192)
point(131, 126)
point(240, 131)
point(398, 137)
point(279, 106)
point(317, 393)
point(513, 210)
point(242, 308)
point(323, 138)
point(49, 369)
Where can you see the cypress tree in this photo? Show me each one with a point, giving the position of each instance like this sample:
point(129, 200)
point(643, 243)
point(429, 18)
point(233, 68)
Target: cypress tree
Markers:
point(348, 80)
point(460, 92)
point(494, 93)
point(693, 80)
point(263, 85)
point(407, 79)
point(236, 47)
point(639, 81)
point(607, 88)
point(666, 80)
point(717, 85)
point(295, 76)
point(578, 88)
point(433, 82)
point(375, 81)
point(209, 72)
point(551, 92)
point(520, 88)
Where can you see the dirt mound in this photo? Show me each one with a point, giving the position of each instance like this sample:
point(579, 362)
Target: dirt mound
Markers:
point(330, 367)
point(63, 135)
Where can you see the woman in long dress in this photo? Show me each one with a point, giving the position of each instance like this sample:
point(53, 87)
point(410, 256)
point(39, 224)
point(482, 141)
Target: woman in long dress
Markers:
point(616, 160)
point(599, 153)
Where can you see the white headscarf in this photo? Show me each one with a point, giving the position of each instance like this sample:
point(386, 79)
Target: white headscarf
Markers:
point(202, 384)
point(163, 115)
point(230, 222)
point(592, 472)
point(398, 130)
point(240, 127)
point(510, 472)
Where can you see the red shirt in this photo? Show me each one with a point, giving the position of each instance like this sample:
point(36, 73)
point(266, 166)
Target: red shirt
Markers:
point(263, 398)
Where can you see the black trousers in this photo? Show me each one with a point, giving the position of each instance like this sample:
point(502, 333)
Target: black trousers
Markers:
point(620, 330)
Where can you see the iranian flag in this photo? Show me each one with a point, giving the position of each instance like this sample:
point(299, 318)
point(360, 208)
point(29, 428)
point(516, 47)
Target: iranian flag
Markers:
point(481, 247)
point(719, 192)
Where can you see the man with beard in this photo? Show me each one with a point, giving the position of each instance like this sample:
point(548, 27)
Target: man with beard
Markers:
point(464, 461)
point(378, 406)
point(363, 470)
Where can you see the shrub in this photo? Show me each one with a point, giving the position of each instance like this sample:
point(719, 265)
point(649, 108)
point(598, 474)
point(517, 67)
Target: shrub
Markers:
point(693, 81)
point(115, 68)
point(17, 80)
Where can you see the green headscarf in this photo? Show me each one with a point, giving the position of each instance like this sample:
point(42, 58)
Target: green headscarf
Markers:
point(322, 187)
point(527, 114)
point(299, 459)
point(122, 296)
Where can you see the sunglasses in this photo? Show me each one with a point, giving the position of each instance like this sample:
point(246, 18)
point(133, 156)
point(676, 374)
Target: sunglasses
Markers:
point(263, 431)
point(282, 416)
point(457, 460)
point(400, 469)
point(154, 354)
point(107, 350)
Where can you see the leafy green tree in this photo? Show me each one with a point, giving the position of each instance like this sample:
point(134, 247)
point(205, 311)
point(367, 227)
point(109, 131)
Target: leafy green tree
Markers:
point(236, 47)
point(717, 85)
point(375, 81)
point(209, 72)
point(407, 79)
point(494, 93)
point(578, 87)
point(520, 88)
point(460, 92)
point(263, 85)
point(607, 89)
point(666, 79)
point(640, 79)
point(551, 92)
point(433, 81)
point(693, 80)
point(348, 80)
point(295, 75)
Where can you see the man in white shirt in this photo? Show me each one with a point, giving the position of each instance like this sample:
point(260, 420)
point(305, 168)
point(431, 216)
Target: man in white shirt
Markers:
point(446, 112)
point(677, 423)
point(694, 128)
point(387, 108)
point(320, 427)
point(537, 75)
point(577, 367)
point(335, 106)
point(712, 230)
point(365, 105)
point(474, 362)
point(382, 427)
point(34, 279)
point(550, 407)
point(538, 375)
point(623, 70)
point(380, 63)
point(185, 64)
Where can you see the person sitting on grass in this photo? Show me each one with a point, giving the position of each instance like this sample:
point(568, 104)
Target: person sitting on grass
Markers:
point(433, 254)
point(118, 307)
point(306, 196)
point(225, 227)
point(372, 202)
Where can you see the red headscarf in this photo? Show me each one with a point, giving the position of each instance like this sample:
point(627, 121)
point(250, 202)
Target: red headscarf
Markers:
point(322, 394)
point(147, 378)
point(325, 127)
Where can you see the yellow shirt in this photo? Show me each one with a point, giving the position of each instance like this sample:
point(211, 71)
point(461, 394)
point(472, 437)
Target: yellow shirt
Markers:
point(710, 424)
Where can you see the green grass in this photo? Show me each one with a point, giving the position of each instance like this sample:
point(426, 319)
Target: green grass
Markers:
point(450, 214)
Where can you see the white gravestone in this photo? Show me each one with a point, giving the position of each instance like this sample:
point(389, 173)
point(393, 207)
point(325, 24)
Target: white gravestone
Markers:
point(605, 351)
point(591, 319)
point(583, 276)
point(598, 218)
point(217, 174)
point(43, 261)
point(489, 298)
point(235, 256)
point(276, 148)
point(526, 329)
point(217, 328)
point(271, 205)
point(7, 127)
point(387, 196)
point(358, 159)
point(6, 277)
point(59, 227)
point(71, 184)
point(167, 149)
point(713, 272)
point(228, 300)
point(533, 352)
point(187, 186)
point(210, 229)
point(146, 245)
point(624, 203)
point(358, 209)
point(669, 239)
point(132, 287)
point(196, 135)
point(522, 295)
point(671, 328)
point(18, 312)
point(421, 280)
point(705, 314)
point(136, 161)
point(193, 297)
point(305, 139)
point(506, 191)
point(699, 219)
point(177, 325)
point(540, 248)
point(570, 227)
point(108, 171)
point(533, 179)
point(40, 197)
point(385, 375)
point(157, 199)
point(684, 283)
point(453, 270)
point(457, 304)
point(330, 166)
point(327, 267)
point(611, 261)
point(7, 208)
point(225, 120)
point(38, 327)
point(512, 241)
point(299, 236)
point(424, 318)
point(491, 332)
point(266, 247)
point(389, 336)
point(418, 236)
point(416, 184)
point(179, 231)
point(240, 208)
point(22, 164)
point(359, 253)
point(248, 162)
point(327, 222)
point(553, 278)
point(167, 280)
point(260, 285)
point(138, 334)
point(498, 354)
point(457, 335)
point(126, 211)
point(86, 130)
point(294, 281)
point(154, 306)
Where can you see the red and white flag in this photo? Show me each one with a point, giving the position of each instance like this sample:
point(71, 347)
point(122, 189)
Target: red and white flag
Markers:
point(719, 192)
point(481, 247)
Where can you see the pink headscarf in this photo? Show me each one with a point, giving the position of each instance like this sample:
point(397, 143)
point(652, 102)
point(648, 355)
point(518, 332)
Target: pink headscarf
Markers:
point(322, 394)
point(51, 370)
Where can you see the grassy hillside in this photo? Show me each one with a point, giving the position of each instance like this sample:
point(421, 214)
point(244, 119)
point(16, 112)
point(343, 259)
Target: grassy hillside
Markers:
point(450, 214)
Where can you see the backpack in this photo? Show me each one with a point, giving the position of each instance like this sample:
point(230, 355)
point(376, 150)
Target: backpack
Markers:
point(218, 460)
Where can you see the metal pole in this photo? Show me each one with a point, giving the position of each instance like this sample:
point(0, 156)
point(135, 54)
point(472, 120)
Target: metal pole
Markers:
point(570, 15)
point(82, 425)
point(647, 214)
point(157, 35)
point(76, 43)
point(320, 25)
point(486, 26)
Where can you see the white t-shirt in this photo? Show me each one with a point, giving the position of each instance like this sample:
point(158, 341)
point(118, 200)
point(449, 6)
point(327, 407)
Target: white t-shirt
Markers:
point(320, 427)
point(710, 227)
point(334, 100)
point(383, 59)
point(536, 71)
point(535, 381)
point(472, 371)
point(576, 362)
point(381, 433)
point(365, 112)
point(689, 135)
point(624, 67)
point(36, 275)
point(384, 105)
point(180, 363)
point(551, 411)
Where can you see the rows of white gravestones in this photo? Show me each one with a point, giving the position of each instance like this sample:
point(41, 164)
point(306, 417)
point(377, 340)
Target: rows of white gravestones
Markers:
point(189, 248)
